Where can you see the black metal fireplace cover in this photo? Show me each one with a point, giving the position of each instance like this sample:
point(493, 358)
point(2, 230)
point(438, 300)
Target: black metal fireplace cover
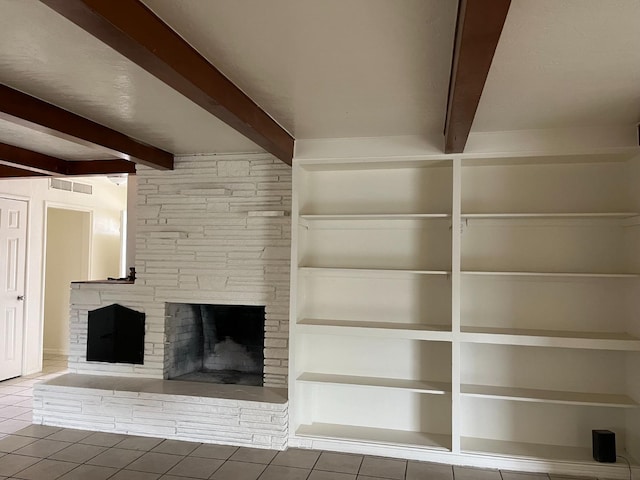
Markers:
point(115, 335)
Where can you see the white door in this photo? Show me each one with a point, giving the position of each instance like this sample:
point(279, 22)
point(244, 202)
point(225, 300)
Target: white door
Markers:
point(13, 236)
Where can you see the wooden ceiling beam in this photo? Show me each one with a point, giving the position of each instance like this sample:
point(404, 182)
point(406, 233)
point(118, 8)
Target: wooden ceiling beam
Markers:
point(24, 159)
point(33, 113)
point(133, 30)
point(478, 30)
point(17, 158)
point(7, 171)
point(100, 167)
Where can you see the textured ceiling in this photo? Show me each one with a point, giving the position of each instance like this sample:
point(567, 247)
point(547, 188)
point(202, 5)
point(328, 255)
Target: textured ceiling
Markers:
point(331, 69)
point(560, 64)
point(45, 55)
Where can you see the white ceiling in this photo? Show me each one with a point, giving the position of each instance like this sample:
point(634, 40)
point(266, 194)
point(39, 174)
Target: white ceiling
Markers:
point(332, 69)
point(47, 56)
point(559, 64)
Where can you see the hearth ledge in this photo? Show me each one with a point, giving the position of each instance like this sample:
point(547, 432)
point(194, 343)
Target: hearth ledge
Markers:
point(191, 411)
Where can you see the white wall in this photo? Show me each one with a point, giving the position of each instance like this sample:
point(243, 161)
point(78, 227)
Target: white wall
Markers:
point(105, 203)
point(68, 247)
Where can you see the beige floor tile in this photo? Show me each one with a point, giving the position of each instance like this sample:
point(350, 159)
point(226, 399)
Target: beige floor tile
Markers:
point(139, 443)
point(383, 467)
point(297, 458)
point(176, 447)
point(102, 439)
point(78, 453)
point(115, 457)
point(196, 467)
point(11, 464)
point(70, 435)
point(469, 473)
point(131, 475)
point(432, 471)
point(253, 455)
point(320, 475)
point(42, 448)
point(38, 431)
point(221, 452)
point(154, 462)
point(46, 470)
point(339, 462)
point(12, 443)
point(278, 472)
point(238, 471)
point(89, 472)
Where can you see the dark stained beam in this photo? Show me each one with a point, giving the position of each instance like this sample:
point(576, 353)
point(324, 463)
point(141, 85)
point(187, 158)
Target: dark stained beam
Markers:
point(100, 167)
point(14, 172)
point(478, 30)
point(18, 158)
point(33, 161)
point(22, 109)
point(134, 31)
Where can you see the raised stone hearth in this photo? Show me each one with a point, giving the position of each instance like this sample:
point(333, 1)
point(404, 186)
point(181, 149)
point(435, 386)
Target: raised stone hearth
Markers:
point(199, 412)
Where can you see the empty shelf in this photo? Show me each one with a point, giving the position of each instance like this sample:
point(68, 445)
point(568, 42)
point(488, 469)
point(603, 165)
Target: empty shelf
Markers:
point(552, 215)
point(375, 216)
point(550, 274)
point(551, 338)
point(548, 396)
point(532, 451)
point(384, 436)
point(418, 386)
point(360, 272)
point(412, 331)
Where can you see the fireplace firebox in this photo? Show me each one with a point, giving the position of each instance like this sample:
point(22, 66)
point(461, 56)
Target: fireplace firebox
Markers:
point(216, 343)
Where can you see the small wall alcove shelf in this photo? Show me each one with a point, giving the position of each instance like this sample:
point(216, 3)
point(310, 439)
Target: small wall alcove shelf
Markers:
point(467, 310)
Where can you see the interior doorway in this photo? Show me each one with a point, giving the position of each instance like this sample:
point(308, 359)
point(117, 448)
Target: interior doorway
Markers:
point(67, 259)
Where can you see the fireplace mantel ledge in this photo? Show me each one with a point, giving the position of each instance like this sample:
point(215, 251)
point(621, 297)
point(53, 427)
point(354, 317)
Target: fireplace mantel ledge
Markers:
point(109, 282)
point(171, 387)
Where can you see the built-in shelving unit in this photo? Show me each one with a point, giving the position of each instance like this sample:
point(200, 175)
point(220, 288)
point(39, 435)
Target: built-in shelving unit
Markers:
point(486, 309)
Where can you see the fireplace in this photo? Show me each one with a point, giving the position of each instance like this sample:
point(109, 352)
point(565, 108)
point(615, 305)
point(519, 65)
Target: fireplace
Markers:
point(216, 343)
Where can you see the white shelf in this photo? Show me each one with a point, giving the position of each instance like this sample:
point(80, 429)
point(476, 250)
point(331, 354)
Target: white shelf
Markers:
point(347, 272)
point(550, 274)
point(382, 436)
point(411, 331)
point(376, 216)
point(551, 338)
point(605, 215)
point(529, 451)
point(548, 396)
point(417, 386)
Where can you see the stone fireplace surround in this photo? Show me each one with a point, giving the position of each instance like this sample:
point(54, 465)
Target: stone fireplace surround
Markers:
point(214, 230)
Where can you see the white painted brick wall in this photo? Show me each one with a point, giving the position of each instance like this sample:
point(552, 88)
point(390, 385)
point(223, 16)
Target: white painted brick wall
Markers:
point(210, 231)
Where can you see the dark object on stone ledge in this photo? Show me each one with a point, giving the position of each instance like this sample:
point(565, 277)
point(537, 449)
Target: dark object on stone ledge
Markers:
point(115, 335)
point(130, 278)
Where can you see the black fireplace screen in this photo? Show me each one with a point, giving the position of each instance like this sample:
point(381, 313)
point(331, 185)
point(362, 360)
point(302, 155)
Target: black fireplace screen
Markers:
point(115, 335)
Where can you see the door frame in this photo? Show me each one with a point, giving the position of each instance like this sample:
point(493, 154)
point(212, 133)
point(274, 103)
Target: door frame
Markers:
point(43, 268)
point(27, 276)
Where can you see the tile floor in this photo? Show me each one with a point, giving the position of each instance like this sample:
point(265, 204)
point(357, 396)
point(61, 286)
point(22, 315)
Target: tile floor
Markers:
point(35, 452)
